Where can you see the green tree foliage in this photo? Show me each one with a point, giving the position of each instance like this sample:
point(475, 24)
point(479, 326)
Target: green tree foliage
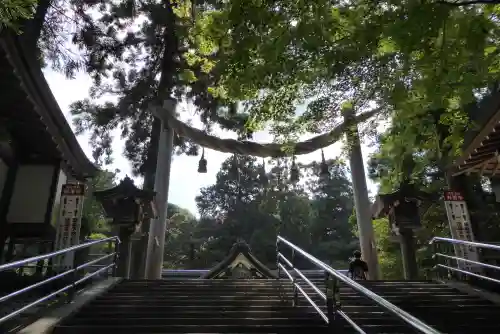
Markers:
point(13, 11)
point(180, 227)
point(276, 54)
point(136, 53)
point(391, 266)
point(426, 143)
point(242, 204)
point(93, 219)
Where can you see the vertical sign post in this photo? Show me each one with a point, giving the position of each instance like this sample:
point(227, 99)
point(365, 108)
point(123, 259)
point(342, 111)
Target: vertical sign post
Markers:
point(70, 222)
point(460, 226)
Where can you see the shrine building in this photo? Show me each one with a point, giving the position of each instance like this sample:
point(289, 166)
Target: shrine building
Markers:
point(38, 154)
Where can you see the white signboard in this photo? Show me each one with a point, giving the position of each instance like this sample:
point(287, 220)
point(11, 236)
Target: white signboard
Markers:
point(460, 226)
point(70, 222)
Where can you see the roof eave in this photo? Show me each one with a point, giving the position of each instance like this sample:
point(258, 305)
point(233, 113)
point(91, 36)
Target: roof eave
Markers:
point(39, 93)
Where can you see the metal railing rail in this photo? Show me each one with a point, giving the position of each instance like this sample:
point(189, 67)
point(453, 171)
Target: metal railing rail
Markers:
point(70, 288)
point(465, 243)
point(478, 245)
point(332, 292)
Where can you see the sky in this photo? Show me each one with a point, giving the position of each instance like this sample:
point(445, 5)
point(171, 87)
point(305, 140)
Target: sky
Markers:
point(185, 181)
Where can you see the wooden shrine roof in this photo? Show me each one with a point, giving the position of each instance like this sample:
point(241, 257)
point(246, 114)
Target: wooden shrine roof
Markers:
point(239, 248)
point(482, 143)
point(32, 115)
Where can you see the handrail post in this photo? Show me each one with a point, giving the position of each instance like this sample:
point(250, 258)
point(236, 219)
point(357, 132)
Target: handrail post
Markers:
point(294, 282)
point(74, 278)
point(278, 258)
point(336, 295)
point(329, 300)
point(437, 271)
point(115, 258)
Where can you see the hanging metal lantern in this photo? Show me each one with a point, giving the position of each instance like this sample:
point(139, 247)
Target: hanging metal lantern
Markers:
point(202, 164)
point(324, 173)
point(294, 171)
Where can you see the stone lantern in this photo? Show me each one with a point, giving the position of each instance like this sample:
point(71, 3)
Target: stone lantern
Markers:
point(403, 209)
point(127, 206)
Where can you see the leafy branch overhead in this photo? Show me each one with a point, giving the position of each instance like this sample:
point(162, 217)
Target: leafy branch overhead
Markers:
point(129, 50)
point(12, 11)
point(379, 52)
point(291, 64)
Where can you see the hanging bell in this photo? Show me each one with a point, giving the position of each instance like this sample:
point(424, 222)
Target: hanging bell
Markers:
point(202, 164)
point(294, 172)
point(324, 173)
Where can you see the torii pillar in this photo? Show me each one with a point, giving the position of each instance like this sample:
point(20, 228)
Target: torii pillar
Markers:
point(361, 200)
point(156, 241)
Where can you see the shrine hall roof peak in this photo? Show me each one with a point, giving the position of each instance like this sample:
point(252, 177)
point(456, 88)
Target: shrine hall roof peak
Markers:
point(240, 252)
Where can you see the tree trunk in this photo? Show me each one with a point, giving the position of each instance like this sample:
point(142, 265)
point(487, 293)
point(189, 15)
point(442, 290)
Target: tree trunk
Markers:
point(32, 29)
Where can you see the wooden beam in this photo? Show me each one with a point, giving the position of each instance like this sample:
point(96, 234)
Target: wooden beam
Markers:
point(479, 155)
point(475, 162)
point(496, 168)
point(486, 163)
point(472, 168)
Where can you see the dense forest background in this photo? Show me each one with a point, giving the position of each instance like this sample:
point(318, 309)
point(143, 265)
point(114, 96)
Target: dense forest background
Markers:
point(255, 200)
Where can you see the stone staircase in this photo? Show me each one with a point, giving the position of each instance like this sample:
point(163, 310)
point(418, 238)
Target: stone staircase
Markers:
point(440, 306)
point(196, 306)
point(264, 306)
point(444, 308)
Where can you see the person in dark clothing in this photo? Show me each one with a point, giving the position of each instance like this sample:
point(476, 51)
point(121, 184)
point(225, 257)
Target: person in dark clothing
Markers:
point(357, 267)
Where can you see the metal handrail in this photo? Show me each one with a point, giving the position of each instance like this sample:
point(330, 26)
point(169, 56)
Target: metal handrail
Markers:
point(404, 316)
point(434, 241)
point(465, 243)
point(20, 263)
point(317, 290)
point(76, 267)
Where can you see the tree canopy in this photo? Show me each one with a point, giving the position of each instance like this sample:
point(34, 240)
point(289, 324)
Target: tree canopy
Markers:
point(369, 52)
point(243, 204)
point(247, 64)
point(12, 11)
point(293, 66)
